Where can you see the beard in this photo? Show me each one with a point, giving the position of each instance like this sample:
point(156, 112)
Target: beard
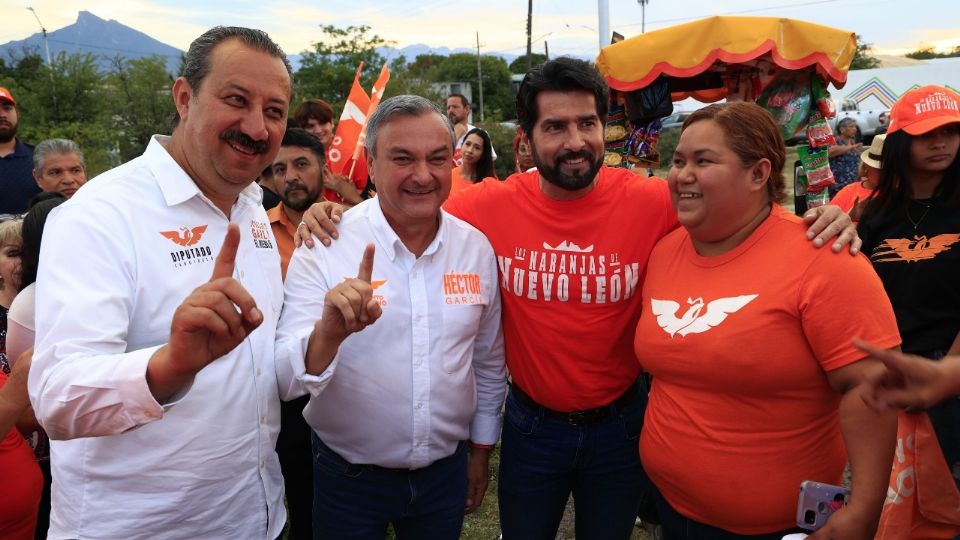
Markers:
point(569, 182)
point(299, 204)
point(7, 133)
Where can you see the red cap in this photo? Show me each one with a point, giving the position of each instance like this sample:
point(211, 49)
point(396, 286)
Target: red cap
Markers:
point(925, 109)
point(5, 95)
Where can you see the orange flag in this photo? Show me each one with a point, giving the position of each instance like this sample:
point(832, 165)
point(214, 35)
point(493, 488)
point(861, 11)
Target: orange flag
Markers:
point(353, 120)
point(356, 168)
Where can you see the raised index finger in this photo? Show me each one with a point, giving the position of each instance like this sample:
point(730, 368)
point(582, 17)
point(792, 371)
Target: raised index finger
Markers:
point(366, 264)
point(227, 258)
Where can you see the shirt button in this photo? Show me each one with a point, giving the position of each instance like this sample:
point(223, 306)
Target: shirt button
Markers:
point(258, 372)
point(263, 420)
point(419, 405)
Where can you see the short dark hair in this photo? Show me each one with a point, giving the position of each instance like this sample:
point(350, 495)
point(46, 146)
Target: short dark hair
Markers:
point(305, 139)
point(318, 109)
point(196, 62)
point(463, 99)
point(33, 223)
point(563, 74)
point(751, 132)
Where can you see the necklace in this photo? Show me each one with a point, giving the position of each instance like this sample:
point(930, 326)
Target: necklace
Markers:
point(926, 210)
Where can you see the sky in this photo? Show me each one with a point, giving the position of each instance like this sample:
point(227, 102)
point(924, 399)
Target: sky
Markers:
point(565, 26)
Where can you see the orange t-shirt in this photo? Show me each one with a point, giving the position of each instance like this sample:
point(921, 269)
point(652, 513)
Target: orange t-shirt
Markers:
point(740, 411)
point(570, 277)
point(845, 197)
point(283, 232)
point(458, 183)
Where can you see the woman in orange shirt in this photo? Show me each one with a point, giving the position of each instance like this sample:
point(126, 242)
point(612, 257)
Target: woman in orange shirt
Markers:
point(747, 331)
point(477, 155)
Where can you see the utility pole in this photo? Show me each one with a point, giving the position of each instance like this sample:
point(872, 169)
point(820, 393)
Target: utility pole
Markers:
point(603, 13)
point(480, 77)
point(46, 46)
point(529, 31)
point(643, 15)
point(546, 49)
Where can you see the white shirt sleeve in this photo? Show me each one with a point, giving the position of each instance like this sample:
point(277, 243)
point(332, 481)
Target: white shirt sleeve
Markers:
point(84, 381)
point(488, 366)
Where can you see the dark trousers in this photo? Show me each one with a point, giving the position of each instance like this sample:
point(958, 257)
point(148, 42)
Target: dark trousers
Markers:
point(544, 459)
point(357, 502)
point(679, 527)
point(293, 449)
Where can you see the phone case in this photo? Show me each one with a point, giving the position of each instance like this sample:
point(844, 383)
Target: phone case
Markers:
point(818, 502)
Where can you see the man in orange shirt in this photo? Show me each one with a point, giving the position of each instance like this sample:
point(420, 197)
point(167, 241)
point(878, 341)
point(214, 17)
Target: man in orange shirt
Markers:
point(298, 175)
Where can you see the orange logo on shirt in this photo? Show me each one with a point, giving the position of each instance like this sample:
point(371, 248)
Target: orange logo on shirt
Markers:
point(185, 236)
point(919, 249)
point(462, 288)
point(694, 321)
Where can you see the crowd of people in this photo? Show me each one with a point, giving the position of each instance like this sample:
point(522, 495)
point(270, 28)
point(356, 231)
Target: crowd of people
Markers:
point(224, 338)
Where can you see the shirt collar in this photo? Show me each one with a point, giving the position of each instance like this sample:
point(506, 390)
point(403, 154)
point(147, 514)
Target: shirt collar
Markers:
point(177, 186)
point(387, 238)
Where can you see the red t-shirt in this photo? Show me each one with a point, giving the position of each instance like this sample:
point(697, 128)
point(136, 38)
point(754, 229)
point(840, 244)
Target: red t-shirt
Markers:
point(22, 484)
point(740, 411)
point(571, 273)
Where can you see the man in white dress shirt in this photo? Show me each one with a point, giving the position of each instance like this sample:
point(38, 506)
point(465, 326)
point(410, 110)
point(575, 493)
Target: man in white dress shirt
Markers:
point(405, 367)
point(154, 366)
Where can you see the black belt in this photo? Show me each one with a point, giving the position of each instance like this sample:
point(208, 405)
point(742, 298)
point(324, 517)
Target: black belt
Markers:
point(580, 418)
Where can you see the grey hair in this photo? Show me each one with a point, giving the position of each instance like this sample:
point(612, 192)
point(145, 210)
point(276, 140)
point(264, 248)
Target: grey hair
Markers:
point(404, 105)
point(196, 62)
point(55, 146)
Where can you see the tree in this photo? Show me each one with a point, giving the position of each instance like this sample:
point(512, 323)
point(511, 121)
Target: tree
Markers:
point(861, 58)
point(327, 71)
point(926, 53)
point(405, 80)
point(139, 102)
point(497, 91)
point(519, 65)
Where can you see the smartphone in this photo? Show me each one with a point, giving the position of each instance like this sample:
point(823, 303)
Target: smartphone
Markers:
point(818, 502)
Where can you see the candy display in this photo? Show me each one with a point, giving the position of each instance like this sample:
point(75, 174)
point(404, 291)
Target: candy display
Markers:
point(642, 145)
point(788, 98)
point(819, 132)
point(816, 165)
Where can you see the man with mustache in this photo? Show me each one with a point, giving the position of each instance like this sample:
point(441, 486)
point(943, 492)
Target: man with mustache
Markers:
point(154, 371)
point(16, 160)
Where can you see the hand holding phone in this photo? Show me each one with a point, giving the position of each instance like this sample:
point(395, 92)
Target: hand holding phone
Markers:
point(818, 502)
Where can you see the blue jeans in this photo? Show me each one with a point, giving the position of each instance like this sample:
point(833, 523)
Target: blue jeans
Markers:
point(545, 459)
point(676, 526)
point(357, 502)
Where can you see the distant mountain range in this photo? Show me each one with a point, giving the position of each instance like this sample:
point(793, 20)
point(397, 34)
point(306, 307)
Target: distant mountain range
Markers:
point(109, 38)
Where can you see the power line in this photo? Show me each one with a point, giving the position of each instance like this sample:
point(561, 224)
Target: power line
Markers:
point(740, 12)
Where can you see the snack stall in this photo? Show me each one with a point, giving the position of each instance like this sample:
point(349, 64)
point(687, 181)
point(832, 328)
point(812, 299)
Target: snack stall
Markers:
point(784, 65)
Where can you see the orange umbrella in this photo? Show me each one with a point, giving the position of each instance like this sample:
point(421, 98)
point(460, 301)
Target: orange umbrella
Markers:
point(714, 45)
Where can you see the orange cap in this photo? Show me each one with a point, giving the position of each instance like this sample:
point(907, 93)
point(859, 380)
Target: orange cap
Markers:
point(924, 109)
point(5, 95)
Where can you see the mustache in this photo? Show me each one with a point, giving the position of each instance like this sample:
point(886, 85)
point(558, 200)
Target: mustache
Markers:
point(293, 186)
point(232, 135)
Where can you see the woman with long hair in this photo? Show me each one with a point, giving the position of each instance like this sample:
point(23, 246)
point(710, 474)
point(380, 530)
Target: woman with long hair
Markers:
point(911, 233)
point(477, 160)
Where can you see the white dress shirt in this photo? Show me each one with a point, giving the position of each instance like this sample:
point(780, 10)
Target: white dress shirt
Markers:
point(117, 259)
point(430, 372)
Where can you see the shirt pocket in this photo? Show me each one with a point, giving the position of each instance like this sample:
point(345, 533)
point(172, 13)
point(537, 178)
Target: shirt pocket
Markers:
point(460, 325)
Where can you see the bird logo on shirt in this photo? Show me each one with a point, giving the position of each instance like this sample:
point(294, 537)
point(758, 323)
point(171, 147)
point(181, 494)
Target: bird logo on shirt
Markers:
point(920, 248)
point(185, 236)
point(695, 320)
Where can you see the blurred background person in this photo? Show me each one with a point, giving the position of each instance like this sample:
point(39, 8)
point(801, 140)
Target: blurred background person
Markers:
point(58, 166)
point(522, 155)
point(476, 160)
point(316, 116)
point(16, 160)
point(20, 332)
point(911, 233)
point(853, 197)
point(845, 155)
point(10, 245)
point(746, 330)
point(19, 475)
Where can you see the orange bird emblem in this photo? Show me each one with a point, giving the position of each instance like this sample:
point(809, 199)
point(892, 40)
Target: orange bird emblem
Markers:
point(185, 236)
point(920, 248)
